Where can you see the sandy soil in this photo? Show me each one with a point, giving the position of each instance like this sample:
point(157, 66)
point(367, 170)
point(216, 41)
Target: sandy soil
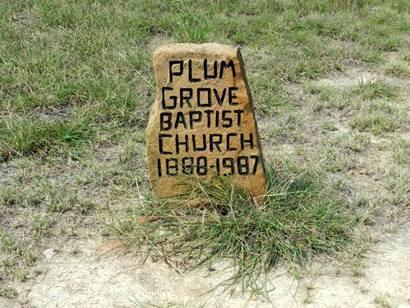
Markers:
point(100, 273)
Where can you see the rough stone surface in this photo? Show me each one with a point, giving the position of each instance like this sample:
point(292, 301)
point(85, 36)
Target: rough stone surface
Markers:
point(202, 123)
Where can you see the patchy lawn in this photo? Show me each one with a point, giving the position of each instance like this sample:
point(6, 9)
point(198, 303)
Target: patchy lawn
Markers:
point(330, 82)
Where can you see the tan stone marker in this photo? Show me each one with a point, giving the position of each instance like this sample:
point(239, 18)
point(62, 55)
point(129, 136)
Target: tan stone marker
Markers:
point(202, 123)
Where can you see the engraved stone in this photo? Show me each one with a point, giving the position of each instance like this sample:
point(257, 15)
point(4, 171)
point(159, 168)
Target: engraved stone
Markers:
point(202, 123)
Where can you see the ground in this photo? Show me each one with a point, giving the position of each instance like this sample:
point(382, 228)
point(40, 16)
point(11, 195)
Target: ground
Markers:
point(331, 85)
point(93, 272)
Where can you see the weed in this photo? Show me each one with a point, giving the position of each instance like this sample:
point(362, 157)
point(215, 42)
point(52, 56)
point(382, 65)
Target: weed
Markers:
point(328, 126)
point(76, 84)
point(40, 225)
point(19, 256)
point(399, 184)
point(377, 89)
point(376, 123)
point(378, 117)
point(405, 56)
point(401, 70)
point(297, 220)
point(25, 136)
point(332, 156)
point(287, 129)
point(358, 143)
point(8, 292)
point(382, 301)
point(401, 152)
point(328, 97)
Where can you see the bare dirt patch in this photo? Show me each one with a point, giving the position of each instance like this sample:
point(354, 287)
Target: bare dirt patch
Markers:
point(86, 273)
point(351, 77)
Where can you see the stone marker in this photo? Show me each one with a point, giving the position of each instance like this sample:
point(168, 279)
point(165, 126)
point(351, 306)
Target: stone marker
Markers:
point(202, 123)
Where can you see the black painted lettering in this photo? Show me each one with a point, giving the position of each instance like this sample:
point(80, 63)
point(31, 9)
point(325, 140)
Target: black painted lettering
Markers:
point(215, 140)
point(195, 146)
point(161, 143)
point(179, 143)
point(255, 163)
point(229, 146)
point(226, 119)
point(185, 95)
point(194, 117)
point(171, 166)
point(243, 165)
point(225, 66)
point(232, 96)
point(229, 163)
point(208, 120)
point(165, 120)
point(206, 71)
point(171, 101)
point(159, 168)
point(218, 166)
point(180, 119)
point(220, 99)
point(238, 118)
point(207, 101)
point(245, 142)
point(178, 72)
point(187, 166)
point(201, 165)
point(191, 79)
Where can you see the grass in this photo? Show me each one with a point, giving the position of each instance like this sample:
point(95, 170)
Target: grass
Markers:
point(398, 70)
point(297, 220)
point(288, 128)
point(19, 256)
point(76, 86)
point(8, 292)
point(377, 89)
point(376, 123)
point(377, 117)
point(374, 92)
point(382, 301)
point(371, 106)
point(334, 160)
point(88, 64)
point(33, 210)
point(54, 197)
point(401, 152)
point(30, 136)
